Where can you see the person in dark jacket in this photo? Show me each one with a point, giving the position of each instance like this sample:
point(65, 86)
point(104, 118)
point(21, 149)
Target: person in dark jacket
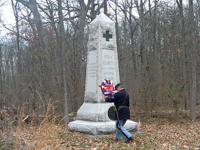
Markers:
point(121, 101)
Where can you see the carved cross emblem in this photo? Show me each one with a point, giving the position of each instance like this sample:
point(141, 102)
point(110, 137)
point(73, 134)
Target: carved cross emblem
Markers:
point(107, 36)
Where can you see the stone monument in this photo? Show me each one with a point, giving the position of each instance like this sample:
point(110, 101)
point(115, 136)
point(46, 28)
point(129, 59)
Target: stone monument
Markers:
point(102, 63)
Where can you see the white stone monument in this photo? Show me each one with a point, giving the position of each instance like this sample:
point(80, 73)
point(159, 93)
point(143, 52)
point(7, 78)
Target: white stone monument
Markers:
point(102, 63)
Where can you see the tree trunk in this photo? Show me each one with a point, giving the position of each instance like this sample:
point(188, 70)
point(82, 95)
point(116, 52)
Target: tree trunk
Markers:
point(143, 53)
point(62, 48)
point(19, 60)
point(1, 77)
point(105, 7)
point(184, 56)
point(193, 81)
point(32, 5)
point(155, 56)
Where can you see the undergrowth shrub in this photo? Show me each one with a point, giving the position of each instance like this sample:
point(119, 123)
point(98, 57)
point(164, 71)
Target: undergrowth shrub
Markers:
point(35, 137)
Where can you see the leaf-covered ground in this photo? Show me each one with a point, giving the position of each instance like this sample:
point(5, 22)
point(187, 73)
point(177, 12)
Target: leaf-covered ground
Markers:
point(157, 134)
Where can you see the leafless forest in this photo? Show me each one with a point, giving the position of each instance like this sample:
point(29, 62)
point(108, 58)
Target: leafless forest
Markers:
point(43, 56)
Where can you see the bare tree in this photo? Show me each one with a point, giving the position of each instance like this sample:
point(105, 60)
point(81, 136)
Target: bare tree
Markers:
point(1, 61)
point(143, 51)
point(105, 7)
point(15, 11)
point(1, 80)
point(32, 5)
point(155, 51)
point(185, 55)
point(193, 58)
point(62, 48)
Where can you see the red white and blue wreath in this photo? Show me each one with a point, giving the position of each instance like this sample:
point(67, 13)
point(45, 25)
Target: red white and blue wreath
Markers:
point(107, 88)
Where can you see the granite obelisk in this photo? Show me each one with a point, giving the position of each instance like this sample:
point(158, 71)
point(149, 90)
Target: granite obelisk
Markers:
point(102, 63)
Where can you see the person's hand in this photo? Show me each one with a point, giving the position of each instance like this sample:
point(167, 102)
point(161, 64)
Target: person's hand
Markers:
point(105, 97)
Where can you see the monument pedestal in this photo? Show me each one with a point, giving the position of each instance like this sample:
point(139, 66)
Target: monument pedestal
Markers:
point(99, 128)
point(92, 118)
point(102, 63)
point(96, 112)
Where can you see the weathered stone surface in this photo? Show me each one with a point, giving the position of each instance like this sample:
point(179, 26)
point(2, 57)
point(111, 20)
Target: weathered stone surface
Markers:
point(102, 63)
point(99, 128)
point(102, 59)
point(96, 112)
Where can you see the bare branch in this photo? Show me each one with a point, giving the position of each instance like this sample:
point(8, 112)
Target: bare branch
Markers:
point(25, 3)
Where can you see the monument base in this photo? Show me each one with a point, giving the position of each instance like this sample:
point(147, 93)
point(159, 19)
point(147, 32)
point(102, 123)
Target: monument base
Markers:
point(99, 128)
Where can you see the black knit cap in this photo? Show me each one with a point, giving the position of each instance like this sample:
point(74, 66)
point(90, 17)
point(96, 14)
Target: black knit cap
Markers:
point(116, 86)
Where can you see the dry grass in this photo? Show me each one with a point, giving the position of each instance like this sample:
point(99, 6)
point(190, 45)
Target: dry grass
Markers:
point(157, 134)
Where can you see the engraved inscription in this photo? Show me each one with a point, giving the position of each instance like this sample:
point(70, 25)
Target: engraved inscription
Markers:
point(109, 73)
point(91, 74)
point(92, 69)
point(108, 64)
point(108, 60)
point(107, 57)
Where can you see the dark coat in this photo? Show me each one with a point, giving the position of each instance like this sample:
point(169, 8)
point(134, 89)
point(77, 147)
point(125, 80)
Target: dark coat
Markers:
point(124, 112)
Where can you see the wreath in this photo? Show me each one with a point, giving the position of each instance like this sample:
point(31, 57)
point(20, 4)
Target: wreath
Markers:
point(108, 90)
point(107, 87)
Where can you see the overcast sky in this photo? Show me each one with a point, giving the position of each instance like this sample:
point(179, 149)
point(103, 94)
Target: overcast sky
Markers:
point(8, 18)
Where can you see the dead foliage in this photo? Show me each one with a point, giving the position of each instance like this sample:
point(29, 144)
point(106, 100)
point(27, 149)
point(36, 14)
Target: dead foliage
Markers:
point(157, 133)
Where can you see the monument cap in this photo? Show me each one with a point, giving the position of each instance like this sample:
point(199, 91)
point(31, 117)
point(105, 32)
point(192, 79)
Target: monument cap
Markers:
point(116, 86)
